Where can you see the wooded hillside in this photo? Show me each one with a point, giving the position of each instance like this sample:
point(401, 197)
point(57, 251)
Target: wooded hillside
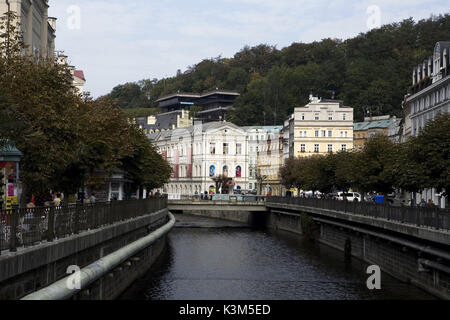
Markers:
point(371, 71)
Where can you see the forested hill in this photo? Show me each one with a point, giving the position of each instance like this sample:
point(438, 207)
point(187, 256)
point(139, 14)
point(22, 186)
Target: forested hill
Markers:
point(372, 70)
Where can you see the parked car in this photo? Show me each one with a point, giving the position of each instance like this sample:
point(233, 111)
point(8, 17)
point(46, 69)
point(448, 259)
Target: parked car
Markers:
point(351, 196)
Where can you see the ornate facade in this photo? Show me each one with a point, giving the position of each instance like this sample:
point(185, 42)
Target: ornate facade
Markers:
point(39, 30)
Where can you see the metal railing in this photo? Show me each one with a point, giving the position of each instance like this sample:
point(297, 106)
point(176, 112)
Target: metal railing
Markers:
point(422, 217)
point(27, 227)
point(221, 198)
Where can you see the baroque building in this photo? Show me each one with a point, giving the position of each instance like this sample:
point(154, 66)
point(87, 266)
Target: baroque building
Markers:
point(202, 152)
point(429, 96)
point(265, 156)
point(321, 127)
point(38, 29)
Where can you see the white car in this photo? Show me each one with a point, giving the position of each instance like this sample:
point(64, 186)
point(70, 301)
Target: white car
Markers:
point(351, 196)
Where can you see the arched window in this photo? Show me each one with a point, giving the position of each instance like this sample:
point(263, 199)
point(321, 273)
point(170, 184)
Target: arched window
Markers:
point(212, 171)
point(225, 171)
point(238, 172)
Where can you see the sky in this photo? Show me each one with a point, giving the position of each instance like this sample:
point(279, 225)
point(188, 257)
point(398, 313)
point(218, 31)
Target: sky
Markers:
point(116, 41)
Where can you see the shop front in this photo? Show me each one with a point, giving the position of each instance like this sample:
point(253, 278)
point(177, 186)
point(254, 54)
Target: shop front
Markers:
point(10, 174)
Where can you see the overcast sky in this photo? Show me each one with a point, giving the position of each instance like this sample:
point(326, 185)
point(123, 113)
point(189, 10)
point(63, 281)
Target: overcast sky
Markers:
point(116, 41)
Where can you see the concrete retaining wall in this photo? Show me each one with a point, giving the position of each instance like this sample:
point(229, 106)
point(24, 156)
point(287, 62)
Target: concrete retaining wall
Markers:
point(399, 260)
point(237, 216)
point(36, 267)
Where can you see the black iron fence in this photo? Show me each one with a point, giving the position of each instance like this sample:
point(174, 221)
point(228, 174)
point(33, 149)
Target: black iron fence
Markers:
point(27, 227)
point(423, 217)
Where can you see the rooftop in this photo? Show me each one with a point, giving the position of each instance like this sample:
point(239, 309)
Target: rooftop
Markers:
point(197, 95)
point(380, 124)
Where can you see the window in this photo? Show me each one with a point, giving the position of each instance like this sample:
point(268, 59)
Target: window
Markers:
point(303, 148)
point(317, 116)
point(238, 172)
point(330, 117)
point(344, 116)
point(238, 148)
point(226, 148)
point(342, 134)
point(225, 171)
point(346, 134)
point(250, 186)
point(344, 147)
point(330, 148)
point(301, 134)
point(324, 134)
point(305, 134)
point(316, 133)
point(330, 134)
point(212, 148)
point(316, 148)
point(303, 116)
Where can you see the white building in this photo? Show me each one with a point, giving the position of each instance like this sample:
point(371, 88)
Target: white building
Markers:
point(202, 152)
point(37, 27)
point(79, 79)
point(430, 90)
point(264, 156)
point(430, 95)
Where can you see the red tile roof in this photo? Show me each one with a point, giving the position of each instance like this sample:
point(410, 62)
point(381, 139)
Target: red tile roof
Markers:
point(79, 74)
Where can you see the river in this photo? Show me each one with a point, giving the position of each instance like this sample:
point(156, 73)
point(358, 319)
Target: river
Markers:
point(216, 260)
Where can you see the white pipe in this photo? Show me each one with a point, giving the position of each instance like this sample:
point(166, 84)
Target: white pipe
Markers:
point(60, 291)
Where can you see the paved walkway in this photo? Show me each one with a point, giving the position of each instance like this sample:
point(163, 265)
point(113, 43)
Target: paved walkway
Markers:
point(191, 221)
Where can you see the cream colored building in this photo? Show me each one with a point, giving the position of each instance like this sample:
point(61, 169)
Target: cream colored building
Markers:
point(165, 121)
point(321, 127)
point(79, 79)
point(202, 152)
point(37, 27)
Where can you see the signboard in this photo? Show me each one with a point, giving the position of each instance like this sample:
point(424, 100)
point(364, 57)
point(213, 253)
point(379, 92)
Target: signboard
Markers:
point(10, 201)
point(174, 196)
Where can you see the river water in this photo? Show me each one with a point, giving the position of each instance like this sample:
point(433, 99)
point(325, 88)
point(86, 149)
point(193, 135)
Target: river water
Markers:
point(214, 260)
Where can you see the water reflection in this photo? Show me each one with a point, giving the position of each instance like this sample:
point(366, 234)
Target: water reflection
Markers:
point(243, 264)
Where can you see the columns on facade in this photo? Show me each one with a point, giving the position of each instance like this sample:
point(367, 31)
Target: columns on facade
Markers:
point(44, 31)
point(28, 20)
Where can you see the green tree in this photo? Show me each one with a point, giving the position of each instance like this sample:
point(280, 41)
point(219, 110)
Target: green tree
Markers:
point(145, 166)
point(425, 160)
point(372, 167)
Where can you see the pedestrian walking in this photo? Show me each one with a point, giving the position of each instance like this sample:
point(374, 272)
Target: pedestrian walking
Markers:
point(423, 204)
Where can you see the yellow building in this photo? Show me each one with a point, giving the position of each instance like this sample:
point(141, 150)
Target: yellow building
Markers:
point(270, 161)
point(321, 127)
point(371, 127)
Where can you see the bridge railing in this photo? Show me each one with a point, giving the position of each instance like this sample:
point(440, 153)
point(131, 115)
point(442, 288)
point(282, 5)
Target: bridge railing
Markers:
point(221, 198)
point(27, 227)
point(422, 217)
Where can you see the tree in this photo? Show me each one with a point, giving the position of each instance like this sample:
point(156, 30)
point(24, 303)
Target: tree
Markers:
point(68, 140)
point(424, 161)
point(223, 183)
point(145, 166)
point(344, 175)
point(372, 167)
point(370, 71)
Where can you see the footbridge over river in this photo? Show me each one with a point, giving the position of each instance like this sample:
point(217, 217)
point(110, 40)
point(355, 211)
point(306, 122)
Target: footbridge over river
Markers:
point(411, 244)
